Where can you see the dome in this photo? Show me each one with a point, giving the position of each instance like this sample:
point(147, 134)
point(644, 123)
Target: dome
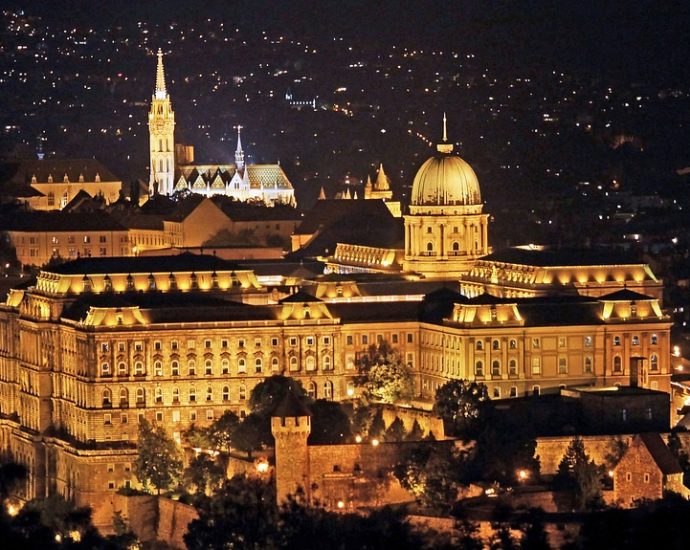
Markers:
point(445, 180)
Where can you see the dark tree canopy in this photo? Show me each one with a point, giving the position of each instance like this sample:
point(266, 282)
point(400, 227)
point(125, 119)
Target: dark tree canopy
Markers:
point(268, 394)
point(330, 424)
point(461, 405)
point(158, 462)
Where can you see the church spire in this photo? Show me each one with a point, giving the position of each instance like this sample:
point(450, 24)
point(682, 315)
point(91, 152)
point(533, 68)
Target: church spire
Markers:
point(445, 147)
point(322, 194)
point(161, 92)
point(382, 183)
point(239, 153)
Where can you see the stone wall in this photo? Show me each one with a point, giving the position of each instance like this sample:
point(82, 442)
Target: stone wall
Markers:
point(154, 518)
point(551, 449)
point(426, 419)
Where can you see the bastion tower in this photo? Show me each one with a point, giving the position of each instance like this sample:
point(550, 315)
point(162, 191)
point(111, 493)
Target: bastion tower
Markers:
point(445, 231)
point(291, 426)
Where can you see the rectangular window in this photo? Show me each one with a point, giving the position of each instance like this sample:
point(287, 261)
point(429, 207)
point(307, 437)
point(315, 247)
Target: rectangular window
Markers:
point(394, 338)
point(240, 343)
point(192, 416)
point(562, 365)
point(224, 344)
point(274, 342)
point(102, 239)
point(107, 418)
point(207, 344)
point(209, 414)
point(176, 416)
point(536, 344)
point(159, 417)
point(349, 340)
point(310, 340)
point(123, 419)
point(410, 338)
point(365, 339)
point(562, 341)
point(293, 341)
point(536, 365)
point(157, 345)
point(326, 340)
point(138, 346)
point(173, 345)
point(588, 341)
point(257, 342)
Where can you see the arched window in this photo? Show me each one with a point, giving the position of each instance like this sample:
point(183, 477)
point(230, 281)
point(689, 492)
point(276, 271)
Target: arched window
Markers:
point(175, 368)
point(617, 364)
point(497, 393)
point(158, 395)
point(158, 368)
point(328, 390)
point(138, 368)
point(124, 397)
point(225, 366)
point(160, 163)
point(258, 365)
point(512, 367)
point(327, 362)
point(122, 368)
point(310, 363)
point(208, 366)
point(192, 395)
point(495, 344)
point(479, 368)
point(226, 393)
point(243, 393)
point(429, 247)
point(616, 340)
point(456, 246)
point(176, 395)
point(654, 339)
point(496, 368)
point(311, 390)
point(191, 367)
point(107, 398)
point(654, 362)
point(294, 364)
point(141, 396)
point(275, 365)
point(241, 365)
point(105, 369)
point(209, 394)
point(479, 345)
point(513, 343)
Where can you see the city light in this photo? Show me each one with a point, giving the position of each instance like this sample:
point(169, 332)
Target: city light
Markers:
point(341, 505)
point(262, 466)
point(374, 442)
point(358, 439)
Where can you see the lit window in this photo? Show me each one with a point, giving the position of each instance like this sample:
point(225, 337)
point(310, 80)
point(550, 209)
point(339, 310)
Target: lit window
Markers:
point(209, 394)
point(635, 340)
point(225, 366)
point(326, 363)
point(654, 339)
point(226, 393)
point(311, 390)
point(241, 365)
point(589, 365)
point(158, 368)
point(654, 362)
point(107, 398)
point(158, 395)
point(513, 391)
point(536, 365)
point(208, 366)
point(192, 395)
point(479, 368)
point(258, 365)
point(495, 344)
point(191, 367)
point(275, 364)
point(175, 368)
point(497, 393)
point(512, 367)
point(496, 368)
point(513, 344)
point(310, 363)
point(616, 340)
point(617, 364)
point(562, 365)
point(479, 345)
point(328, 390)
point(242, 393)
point(294, 364)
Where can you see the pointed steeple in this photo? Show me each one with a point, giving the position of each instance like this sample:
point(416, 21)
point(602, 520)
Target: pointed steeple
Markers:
point(382, 183)
point(161, 92)
point(445, 147)
point(355, 195)
point(347, 194)
point(322, 194)
point(239, 153)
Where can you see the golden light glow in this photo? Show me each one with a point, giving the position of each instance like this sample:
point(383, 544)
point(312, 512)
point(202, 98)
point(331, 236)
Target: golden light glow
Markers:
point(262, 466)
point(358, 439)
point(341, 505)
point(522, 474)
point(374, 442)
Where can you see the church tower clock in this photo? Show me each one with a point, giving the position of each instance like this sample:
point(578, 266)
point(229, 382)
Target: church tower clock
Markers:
point(161, 133)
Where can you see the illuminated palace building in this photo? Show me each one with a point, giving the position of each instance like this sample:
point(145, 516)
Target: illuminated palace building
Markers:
point(172, 166)
point(97, 343)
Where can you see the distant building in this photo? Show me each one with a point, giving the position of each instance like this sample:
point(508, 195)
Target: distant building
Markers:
point(172, 166)
point(646, 471)
point(39, 237)
point(52, 184)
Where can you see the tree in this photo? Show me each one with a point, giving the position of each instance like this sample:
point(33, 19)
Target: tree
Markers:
point(616, 450)
point(534, 537)
point(431, 472)
point(12, 475)
point(580, 476)
point(204, 474)
point(220, 432)
point(158, 461)
point(330, 424)
point(377, 427)
point(267, 394)
point(396, 431)
point(242, 514)
point(504, 445)
point(252, 434)
point(384, 375)
point(461, 405)
point(416, 433)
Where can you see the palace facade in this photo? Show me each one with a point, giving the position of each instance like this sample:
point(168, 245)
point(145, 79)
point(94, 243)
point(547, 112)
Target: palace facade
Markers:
point(96, 344)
